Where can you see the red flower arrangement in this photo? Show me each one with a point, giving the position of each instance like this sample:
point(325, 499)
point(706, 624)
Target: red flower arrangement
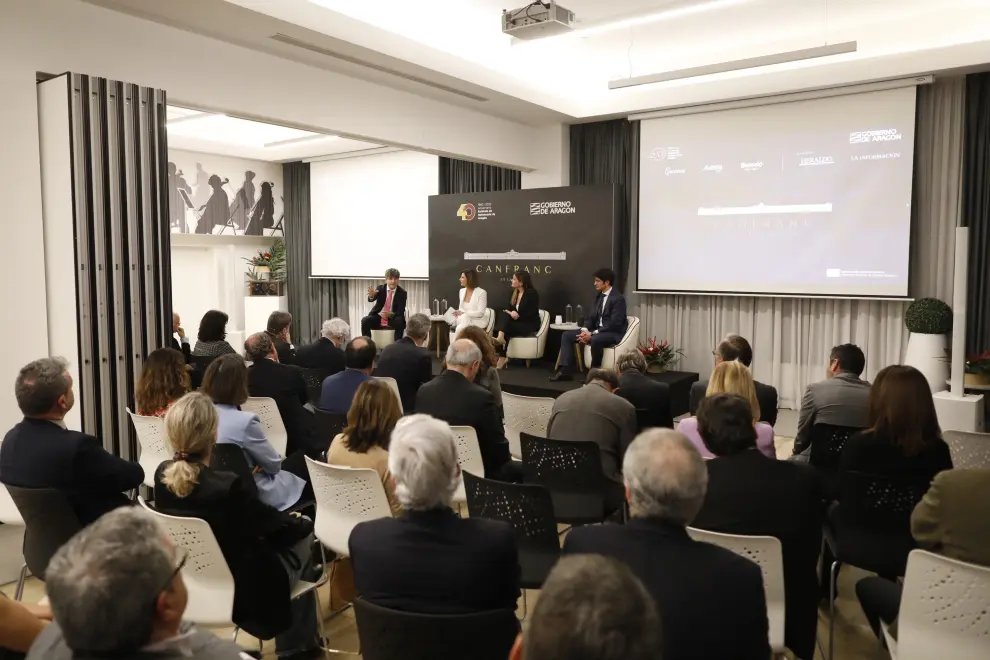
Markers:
point(659, 356)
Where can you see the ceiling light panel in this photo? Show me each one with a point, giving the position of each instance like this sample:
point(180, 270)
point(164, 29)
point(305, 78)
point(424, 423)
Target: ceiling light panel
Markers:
point(231, 130)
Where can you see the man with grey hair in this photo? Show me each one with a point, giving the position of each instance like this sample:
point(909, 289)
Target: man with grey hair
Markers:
point(325, 353)
point(116, 590)
point(651, 398)
point(430, 560)
point(40, 452)
point(693, 583)
point(408, 361)
point(453, 397)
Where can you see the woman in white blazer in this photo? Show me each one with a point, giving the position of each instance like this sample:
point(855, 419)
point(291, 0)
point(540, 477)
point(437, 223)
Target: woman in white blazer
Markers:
point(473, 301)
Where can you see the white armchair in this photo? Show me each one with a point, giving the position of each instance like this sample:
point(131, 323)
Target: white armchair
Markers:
point(489, 323)
point(629, 341)
point(530, 348)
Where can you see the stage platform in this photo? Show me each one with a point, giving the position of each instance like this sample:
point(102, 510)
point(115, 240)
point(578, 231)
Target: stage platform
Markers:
point(535, 381)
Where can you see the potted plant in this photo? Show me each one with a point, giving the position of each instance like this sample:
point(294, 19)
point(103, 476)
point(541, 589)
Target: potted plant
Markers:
point(929, 321)
point(978, 369)
point(659, 356)
point(268, 264)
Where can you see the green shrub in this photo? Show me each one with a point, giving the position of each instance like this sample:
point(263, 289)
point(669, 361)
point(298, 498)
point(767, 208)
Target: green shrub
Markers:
point(928, 316)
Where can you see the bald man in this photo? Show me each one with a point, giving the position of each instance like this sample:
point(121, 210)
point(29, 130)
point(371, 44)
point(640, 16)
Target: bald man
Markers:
point(359, 362)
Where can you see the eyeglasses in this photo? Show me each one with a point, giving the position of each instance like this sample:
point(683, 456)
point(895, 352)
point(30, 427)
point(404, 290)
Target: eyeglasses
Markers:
point(183, 556)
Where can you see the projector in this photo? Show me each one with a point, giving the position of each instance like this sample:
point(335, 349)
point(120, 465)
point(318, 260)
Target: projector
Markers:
point(537, 20)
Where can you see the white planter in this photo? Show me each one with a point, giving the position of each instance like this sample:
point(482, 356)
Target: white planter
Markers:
point(926, 353)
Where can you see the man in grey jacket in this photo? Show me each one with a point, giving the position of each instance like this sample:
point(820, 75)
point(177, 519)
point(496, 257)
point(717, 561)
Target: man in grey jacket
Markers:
point(842, 399)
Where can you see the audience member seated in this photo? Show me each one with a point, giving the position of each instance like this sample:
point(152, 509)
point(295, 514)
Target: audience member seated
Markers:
point(429, 560)
point(226, 383)
point(605, 326)
point(279, 325)
point(595, 412)
point(267, 551)
point(753, 495)
point(734, 347)
point(164, 379)
point(647, 395)
point(488, 372)
point(20, 626)
point(408, 361)
point(732, 378)
point(842, 399)
point(389, 310)
point(590, 607)
point(951, 520)
point(212, 338)
point(40, 452)
point(182, 343)
point(522, 318)
point(116, 590)
point(453, 397)
point(364, 441)
point(710, 600)
point(338, 390)
point(325, 352)
point(285, 384)
point(472, 302)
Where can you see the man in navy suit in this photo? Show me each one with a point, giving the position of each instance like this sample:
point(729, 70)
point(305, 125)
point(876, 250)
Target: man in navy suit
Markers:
point(338, 390)
point(604, 327)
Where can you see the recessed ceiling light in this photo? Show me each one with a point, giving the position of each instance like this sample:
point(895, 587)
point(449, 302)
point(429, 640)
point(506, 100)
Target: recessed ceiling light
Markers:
point(299, 142)
point(678, 12)
point(193, 119)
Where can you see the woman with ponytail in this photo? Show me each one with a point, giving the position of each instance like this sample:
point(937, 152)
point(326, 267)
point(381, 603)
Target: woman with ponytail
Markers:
point(267, 550)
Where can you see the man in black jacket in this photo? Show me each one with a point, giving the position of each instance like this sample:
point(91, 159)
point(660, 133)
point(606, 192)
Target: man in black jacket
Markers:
point(710, 600)
point(605, 326)
point(389, 310)
point(651, 398)
point(279, 325)
point(453, 397)
point(408, 361)
point(40, 452)
point(734, 347)
point(325, 353)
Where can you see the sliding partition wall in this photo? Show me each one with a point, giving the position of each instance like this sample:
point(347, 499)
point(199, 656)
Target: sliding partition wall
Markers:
point(104, 183)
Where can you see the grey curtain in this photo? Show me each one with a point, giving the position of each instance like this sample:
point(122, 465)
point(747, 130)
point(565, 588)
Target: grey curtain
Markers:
point(311, 301)
point(462, 176)
point(976, 210)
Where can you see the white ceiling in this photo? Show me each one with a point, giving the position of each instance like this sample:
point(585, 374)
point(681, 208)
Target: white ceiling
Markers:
point(194, 130)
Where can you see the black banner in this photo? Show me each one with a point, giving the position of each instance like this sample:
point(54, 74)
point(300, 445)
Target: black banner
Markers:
point(559, 235)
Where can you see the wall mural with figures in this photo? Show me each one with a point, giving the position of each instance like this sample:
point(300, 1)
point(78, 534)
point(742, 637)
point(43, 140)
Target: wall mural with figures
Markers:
point(211, 194)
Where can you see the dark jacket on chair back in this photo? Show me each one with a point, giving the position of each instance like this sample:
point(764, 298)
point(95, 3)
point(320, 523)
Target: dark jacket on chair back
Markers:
point(37, 453)
point(321, 354)
point(648, 395)
point(409, 365)
point(285, 384)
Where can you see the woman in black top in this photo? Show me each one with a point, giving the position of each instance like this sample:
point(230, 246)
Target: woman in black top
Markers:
point(522, 318)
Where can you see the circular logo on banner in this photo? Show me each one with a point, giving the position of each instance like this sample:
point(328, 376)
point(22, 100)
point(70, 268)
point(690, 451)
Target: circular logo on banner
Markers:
point(466, 212)
point(659, 153)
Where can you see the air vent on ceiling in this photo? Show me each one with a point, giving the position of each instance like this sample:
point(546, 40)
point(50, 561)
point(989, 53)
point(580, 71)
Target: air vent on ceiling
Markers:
point(298, 43)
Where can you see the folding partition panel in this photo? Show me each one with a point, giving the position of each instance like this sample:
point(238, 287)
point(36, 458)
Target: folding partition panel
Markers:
point(107, 265)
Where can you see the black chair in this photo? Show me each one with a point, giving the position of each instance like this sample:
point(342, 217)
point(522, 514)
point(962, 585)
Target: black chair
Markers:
point(389, 634)
point(50, 521)
point(230, 458)
point(650, 418)
point(199, 364)
point(827, 441)
point(314, 382)
point(529, 509)
point(572, 472)
point(328, 425)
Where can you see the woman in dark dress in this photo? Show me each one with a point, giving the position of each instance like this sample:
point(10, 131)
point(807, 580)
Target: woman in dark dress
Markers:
point(522, 317)
point(264, 212)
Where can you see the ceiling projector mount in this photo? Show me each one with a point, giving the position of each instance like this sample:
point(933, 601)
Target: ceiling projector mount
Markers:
point(537, 20)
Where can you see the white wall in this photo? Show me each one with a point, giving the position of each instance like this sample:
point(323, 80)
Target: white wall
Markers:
point(553, 144)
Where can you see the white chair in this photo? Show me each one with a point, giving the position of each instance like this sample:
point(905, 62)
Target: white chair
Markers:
point(9, 515)
point(383, 338)
point(525, 414)
point(344, 497)
point(766, 552)
point(271, 421)
point(530, 348)
point(468, 457)
point(154, 444)
point(488, 325)
point(943, 611)
point(968, 450)
point(394, 386)
point(629, 341)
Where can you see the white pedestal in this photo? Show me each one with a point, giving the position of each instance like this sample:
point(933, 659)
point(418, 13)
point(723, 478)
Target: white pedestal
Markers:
point(927, 354)
point(257, 309)
point(959, 413)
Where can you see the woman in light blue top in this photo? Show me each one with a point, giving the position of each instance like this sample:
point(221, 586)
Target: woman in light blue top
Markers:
point(226, 382)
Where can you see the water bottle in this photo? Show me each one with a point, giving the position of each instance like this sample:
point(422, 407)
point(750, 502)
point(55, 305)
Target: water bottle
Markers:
point(568, 314)
point(436, 307)
point(443, 306)
point(580, 315)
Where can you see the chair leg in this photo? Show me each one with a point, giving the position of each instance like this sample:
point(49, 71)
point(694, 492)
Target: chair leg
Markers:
point(832, 588)
point(527, 364)
point(234, 637)
point(20, 582)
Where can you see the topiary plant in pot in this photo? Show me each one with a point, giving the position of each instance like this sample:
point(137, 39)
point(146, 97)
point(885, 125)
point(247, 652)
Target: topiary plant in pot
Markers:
point(929, 320)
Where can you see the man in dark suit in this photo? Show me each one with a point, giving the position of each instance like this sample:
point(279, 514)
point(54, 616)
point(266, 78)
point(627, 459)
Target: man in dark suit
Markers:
point(408, 361)
point(453, 397)
point(650, 398)
point(39, 452)
point(182, 343)
point(285, 384)
point(605, 326)
point(429, 560)
point(710, 600)
point(753, 495)
point(734, 347)
point(279, 325)
point(325, 352)
point(389, 310)
point(338, 390)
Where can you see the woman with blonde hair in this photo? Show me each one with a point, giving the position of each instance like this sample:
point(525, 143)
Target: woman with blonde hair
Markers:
point(364, 442)
point(266, 550)
point(732, 377)
point(164, 379)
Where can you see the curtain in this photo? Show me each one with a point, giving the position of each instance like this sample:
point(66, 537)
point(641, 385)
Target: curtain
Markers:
point(976, 211)
point(462, 176)
point(606, 152)
point(791, 337)
point(311, 300)
point(417, 299)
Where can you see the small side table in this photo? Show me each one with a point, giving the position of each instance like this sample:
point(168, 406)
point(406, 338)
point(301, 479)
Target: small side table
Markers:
point(439, 332)
point(553, 343)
